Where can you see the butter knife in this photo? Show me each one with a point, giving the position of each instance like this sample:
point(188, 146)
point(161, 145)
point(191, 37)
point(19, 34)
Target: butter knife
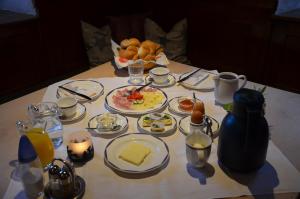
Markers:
point(76, 93)
point(188, 76)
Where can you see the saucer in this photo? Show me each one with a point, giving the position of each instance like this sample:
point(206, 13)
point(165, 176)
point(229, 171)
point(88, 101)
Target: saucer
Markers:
point(80, 112)
point(121, 120)
point(173, 106)
point(170, 82)
point(184, 126)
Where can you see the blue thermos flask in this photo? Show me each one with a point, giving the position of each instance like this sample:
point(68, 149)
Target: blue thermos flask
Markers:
point(244, 133)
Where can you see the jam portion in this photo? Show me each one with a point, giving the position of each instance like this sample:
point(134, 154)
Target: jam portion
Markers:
point(186, 105)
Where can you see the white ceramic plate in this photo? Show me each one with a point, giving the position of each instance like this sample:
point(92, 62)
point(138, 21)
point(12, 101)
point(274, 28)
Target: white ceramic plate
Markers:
point(91, 88)
point(155, 160)
point(121, 120)
point(170, 82)
point(168, 129)
point(80, 113)
point(205, 85)
point(174, 106)
point(184, 126)
point(111, 106)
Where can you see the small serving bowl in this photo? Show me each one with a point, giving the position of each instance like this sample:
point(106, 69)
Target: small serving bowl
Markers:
point(67, 105)
point(160, 74)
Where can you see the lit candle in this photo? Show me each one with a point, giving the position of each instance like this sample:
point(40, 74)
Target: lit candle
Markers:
point(80, 147)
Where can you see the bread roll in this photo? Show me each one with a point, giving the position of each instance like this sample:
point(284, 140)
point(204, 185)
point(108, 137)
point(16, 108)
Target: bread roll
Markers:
point(135, 57)
point(159, 50)
point(150, 45)
point(132, 48)
point(125, 43)
point(130, 42)
point(143, 52)
point(149, 57)
point(128, 54)
point(134, 42)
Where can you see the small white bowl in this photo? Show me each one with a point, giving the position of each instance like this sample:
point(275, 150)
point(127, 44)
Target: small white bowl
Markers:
point(160, 74)
point(67, 105)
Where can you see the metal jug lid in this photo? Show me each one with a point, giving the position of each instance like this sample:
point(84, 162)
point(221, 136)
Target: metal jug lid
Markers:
point(250, 98)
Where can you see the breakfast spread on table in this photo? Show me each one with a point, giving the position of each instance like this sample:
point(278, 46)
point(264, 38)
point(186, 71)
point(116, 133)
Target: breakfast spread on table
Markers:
point(143, 152)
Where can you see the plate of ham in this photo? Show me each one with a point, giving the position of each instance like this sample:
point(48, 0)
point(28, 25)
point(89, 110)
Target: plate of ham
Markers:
point(126, 100)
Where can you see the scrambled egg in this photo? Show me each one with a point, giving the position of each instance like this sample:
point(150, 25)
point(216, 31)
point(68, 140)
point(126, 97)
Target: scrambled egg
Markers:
point(151, 99)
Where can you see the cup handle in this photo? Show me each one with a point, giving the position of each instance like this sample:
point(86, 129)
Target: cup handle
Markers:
point(244, 82)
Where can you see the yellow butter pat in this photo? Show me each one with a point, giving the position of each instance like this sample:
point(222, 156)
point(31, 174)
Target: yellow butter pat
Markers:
point(135, 153)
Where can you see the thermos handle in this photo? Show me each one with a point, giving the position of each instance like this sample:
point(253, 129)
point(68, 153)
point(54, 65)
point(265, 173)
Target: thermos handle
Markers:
point(244, 82)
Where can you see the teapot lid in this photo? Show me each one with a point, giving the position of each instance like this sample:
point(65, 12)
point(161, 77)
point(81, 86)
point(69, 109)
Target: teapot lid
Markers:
point(250, 98)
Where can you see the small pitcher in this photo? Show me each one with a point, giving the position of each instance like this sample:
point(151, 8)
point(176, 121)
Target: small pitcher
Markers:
point(39, 138)
point(226, 83)
point(49, 112)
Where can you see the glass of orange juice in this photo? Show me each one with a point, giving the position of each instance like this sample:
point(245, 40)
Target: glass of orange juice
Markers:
point(40, 141)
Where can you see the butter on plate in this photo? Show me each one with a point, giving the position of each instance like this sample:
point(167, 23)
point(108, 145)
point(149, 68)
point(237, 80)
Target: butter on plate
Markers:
point(135, 153)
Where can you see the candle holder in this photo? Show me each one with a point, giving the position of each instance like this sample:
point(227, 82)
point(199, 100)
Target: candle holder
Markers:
point(80, 147)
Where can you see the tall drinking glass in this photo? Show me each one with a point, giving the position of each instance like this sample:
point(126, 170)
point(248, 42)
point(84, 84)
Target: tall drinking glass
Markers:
point(136, 72)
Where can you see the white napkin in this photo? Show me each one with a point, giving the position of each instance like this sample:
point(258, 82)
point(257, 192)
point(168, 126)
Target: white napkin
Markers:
point(197, 78)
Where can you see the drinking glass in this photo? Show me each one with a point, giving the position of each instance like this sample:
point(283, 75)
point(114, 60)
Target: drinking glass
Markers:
point(136, 72)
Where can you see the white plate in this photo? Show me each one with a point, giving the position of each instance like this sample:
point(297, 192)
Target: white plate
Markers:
point(168, 129)
point(184, 126)
point(80, 112)
point(111, 106)
point(155, 160)
point(91, 88)
point(174, 106)
point(205, 85)
point(170, 82)
point(121, 120)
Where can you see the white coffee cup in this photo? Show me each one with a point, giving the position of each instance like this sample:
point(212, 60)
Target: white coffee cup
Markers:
point(67, 105)
point(160, 74)
point(226, 83)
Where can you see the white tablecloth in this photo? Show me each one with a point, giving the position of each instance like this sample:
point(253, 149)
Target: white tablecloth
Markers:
point(178, 179)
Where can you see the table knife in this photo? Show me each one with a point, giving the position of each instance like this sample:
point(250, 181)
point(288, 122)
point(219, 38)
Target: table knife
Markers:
point(76, 93)
point(188, 76)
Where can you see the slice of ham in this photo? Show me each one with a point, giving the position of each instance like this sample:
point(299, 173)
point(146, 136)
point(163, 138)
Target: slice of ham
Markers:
point(121, 102)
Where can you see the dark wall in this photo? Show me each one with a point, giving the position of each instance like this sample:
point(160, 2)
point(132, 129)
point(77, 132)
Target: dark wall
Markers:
point(233, 35)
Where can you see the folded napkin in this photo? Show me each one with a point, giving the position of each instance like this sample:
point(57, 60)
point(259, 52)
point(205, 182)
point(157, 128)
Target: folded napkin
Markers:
point(197, 78)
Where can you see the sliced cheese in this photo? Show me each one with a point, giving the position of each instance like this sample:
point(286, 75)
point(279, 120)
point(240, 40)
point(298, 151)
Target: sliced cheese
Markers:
point(135, 153)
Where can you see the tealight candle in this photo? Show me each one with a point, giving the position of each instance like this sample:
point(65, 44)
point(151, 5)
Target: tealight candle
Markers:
point(80, 147)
